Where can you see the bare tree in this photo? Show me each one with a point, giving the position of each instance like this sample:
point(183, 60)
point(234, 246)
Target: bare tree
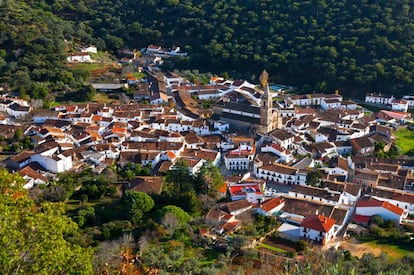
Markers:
point(108, 258)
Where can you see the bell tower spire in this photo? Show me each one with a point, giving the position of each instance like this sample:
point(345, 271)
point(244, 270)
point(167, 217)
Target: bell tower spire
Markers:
point(266, 103)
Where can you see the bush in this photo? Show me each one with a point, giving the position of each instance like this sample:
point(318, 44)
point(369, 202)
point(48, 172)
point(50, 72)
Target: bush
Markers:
point(300, 245)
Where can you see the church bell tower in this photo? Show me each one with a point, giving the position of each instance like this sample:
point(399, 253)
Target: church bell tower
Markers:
point(266, 104)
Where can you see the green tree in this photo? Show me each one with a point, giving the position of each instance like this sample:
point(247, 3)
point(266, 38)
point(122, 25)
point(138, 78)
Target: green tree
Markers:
point(137, 204)
point(313, 178)
point(35, 237)
point(209, 178)
point(173, 217)
point(18, 135)
point(179, 180)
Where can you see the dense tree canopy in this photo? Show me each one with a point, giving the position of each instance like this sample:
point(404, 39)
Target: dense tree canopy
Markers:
point(33, 50)
point(324, 45)
point(35, 238)
point(317, 44)
point(137, 203)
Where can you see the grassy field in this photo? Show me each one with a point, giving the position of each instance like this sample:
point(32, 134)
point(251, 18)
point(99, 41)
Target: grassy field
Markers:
point(138, 75)
point(272, 248)
point(88, 66)
point(405, 140)
point(394, 252)
point(103, 98)
point(3, 157)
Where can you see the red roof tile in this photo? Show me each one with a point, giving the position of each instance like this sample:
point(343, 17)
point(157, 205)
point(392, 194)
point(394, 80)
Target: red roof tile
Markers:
point(362, 219)
point(377, 203)
point(268, 205)
point(318, 222)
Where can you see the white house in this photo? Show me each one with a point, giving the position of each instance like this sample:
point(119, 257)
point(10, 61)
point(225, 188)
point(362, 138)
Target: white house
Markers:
point(158, 98)
point(330, 103)
point(236, 160)
point(89, 49)
point(399, 105)
point(279, 173)
point(285, 155)
point(54, 163)
point(32, 177)
point(154, 49)
point(18, 111)
point(236, 207)
point(220, 125)
point(283, 138)
point(398, 198)
point(252, 192)
point(271, 206)
point(320, 195)
point(240, 158)
point(173, 80)
point(410, 100)
point(318, 228)
point(378, 98)
point(79, 57)
point(41, 115)
point(387, 211)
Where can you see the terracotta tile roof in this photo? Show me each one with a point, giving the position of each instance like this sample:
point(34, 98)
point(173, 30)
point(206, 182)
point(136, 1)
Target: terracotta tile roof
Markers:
point(305, 208)
point(315, 192)
point(338, 215)
point(171, 155)
point(352, 189)
point(280, 168)
point(22, 156)
point(282, 134)
point(30, 172)
point(222, 188)
point(214, 215)
point(236, 205)
point(243, 189)
point(146, 184)
point(318, 222)
point(362, 219)
point(362, 175)
point(371, 202)
point(165, 166)
point(271, 204)
point(231, 226)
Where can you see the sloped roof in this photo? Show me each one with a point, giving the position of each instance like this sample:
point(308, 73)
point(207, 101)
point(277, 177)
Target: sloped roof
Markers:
point(318, 222)
point(236, 205)
point(371, 202)
point(146, 184)
point(271, 204)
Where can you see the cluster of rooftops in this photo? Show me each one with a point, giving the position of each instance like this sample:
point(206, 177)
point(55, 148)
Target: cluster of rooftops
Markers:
point(318, 133)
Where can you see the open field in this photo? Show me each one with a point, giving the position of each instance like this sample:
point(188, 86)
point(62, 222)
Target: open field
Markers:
point(89, 67)
point(394, 252)
point(271, 248)
point(104, 98)
point(405, 140)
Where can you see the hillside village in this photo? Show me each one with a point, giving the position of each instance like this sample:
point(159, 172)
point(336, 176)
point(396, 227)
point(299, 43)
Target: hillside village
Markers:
point(268, 144)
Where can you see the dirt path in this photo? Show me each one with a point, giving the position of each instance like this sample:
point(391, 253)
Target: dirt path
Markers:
point(358, 249)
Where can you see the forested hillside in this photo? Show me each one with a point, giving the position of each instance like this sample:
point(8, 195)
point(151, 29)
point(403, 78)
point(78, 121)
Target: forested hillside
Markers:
point(351, 45)
point(33, 50)
point(318, 44)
